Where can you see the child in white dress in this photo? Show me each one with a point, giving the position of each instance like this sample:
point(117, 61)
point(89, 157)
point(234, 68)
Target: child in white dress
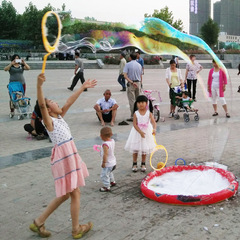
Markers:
point(141, 140)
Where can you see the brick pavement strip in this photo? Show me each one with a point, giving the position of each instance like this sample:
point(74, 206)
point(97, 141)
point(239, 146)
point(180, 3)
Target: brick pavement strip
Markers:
point(27, 188)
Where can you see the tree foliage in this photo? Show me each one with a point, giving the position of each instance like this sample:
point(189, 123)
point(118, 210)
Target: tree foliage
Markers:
point(31, 23)
point(8, 20)
point(209, 32)
point(27, 26)
point(166, 15)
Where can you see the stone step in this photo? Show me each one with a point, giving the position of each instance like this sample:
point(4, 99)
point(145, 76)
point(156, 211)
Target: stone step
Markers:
point(95, 65)
point(53, 65)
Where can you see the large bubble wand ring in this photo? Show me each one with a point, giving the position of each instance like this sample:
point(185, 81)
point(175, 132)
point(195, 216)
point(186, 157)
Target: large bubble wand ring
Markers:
point(160, 165)
point(50, 49)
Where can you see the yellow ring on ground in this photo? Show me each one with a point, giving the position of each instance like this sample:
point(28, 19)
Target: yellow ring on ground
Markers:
point(50, 49)
point(154, 150)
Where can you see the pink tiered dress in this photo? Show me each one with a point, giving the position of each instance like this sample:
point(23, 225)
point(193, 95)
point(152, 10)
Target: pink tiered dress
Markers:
point(68, 169)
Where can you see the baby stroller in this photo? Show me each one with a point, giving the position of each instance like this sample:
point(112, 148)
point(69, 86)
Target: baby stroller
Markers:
point(18, 101)
point(186, 111)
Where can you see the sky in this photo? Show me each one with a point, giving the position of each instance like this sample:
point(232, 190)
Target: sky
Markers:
point(130, 12)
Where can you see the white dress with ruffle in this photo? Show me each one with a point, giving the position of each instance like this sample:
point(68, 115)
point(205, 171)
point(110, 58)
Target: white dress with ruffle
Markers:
point(137, 144)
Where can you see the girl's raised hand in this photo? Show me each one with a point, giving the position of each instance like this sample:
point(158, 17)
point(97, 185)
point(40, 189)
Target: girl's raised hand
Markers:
point(41, 79)
point(90, 83)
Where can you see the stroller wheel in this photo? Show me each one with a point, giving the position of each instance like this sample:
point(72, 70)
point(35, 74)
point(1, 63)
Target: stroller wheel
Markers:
point(176, 116)
point(20, 117)
point(196, 118)
point(186, 117)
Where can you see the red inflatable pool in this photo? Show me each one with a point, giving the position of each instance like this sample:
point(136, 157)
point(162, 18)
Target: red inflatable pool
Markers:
point(152, 185)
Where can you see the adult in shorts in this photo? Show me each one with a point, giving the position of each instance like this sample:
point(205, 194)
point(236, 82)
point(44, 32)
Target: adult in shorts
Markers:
point(106, 108)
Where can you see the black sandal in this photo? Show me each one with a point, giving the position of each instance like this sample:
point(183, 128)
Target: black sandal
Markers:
point(227, 115)
point(215, 114)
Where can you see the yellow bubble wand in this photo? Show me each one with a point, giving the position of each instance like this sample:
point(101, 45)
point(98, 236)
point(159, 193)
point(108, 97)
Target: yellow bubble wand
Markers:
point(50, 49)
point(160, 165)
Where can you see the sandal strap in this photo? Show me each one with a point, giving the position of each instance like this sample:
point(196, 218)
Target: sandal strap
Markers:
point(143, 163)
point(38, 227)
point(42, 232)
point(82, 230)
point(134, 164)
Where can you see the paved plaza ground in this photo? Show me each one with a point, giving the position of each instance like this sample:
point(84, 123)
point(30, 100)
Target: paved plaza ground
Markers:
point(26, 183)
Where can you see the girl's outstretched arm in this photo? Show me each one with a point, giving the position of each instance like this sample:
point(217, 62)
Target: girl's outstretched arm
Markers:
point(88, 84)
point(42, 103)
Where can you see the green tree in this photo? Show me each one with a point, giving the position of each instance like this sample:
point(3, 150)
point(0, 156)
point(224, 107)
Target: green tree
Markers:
point(31, 23)
point(209, 32)
point(90, 19)
point(167, 16)
point(8, 21)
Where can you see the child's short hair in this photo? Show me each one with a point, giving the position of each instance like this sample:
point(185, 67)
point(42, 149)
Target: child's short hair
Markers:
point(106, 132)
point(185, 92)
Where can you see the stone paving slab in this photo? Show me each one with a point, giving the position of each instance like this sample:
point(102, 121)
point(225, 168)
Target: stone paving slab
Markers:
point(27, 187)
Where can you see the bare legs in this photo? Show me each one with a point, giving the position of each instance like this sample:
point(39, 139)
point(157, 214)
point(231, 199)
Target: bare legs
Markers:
point(215, 108)
point(114, 113)
point(224, 107)
point(56, 202)
point(100, 115)
point(172, 108)
point(135, 155)
point(75, 207)
point(53, 205)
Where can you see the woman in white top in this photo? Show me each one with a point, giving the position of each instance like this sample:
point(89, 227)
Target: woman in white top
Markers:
point(173, 79)
point(192, 69)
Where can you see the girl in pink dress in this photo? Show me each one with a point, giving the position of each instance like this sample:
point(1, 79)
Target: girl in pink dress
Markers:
point(68, 169)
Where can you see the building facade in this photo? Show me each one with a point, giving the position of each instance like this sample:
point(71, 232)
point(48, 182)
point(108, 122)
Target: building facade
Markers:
point(224, 37)
point(217, 13)
point(199, 13)
point(230, 17)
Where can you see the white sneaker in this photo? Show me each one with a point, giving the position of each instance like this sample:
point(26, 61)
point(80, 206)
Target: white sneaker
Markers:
point(170, 115)
point(134, 168)
point(143, 168)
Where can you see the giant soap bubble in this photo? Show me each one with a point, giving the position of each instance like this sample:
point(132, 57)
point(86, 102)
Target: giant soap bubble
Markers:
point(156, 37)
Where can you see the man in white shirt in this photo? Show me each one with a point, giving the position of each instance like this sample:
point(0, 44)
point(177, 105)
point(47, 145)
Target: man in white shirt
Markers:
point(106, 108)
